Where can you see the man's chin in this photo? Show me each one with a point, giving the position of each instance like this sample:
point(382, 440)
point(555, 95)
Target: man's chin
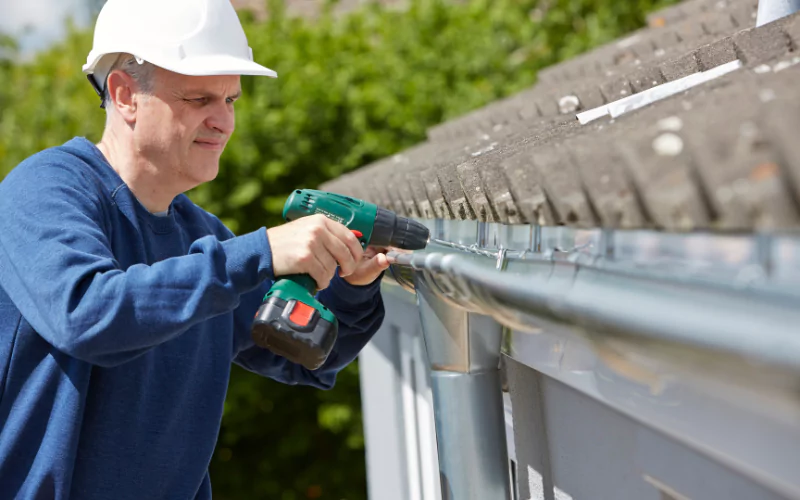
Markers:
point(202, 172)
point(209, 174)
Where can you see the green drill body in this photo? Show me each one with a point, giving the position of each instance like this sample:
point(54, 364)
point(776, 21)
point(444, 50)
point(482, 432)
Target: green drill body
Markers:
point(291, 321)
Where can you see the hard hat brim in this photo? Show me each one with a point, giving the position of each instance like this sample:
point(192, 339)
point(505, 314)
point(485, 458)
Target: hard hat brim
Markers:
point(193, 66)
point(219, 65)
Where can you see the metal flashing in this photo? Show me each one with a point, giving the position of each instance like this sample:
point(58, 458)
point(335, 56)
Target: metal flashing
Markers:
point(646, 97)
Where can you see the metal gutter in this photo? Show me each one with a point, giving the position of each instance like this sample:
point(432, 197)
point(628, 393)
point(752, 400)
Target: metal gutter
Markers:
point(701, 292)
point(670, 314)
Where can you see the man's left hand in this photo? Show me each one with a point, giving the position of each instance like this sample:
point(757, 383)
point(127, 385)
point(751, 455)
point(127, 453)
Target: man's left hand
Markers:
point(372, 264)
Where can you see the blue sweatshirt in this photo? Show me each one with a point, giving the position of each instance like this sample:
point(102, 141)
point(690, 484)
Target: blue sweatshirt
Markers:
point(117, 332)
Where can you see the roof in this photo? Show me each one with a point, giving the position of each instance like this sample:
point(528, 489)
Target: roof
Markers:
point(721, 155)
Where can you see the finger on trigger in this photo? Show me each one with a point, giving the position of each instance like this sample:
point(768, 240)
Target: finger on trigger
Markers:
point(341, 253)
point(349, 239)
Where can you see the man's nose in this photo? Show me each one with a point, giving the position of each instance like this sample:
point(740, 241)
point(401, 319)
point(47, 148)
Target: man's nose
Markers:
point(221, 119)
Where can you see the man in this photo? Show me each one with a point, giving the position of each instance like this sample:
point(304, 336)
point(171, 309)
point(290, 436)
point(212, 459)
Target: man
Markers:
point(122, 304)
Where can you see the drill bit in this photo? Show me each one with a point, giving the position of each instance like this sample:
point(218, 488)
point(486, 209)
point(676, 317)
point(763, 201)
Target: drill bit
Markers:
point(464, 248)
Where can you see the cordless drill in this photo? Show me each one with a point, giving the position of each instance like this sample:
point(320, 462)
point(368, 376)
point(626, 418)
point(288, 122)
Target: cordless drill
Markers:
point(291, 322)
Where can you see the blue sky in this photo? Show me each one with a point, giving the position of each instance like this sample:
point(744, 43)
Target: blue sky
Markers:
point(43, 18)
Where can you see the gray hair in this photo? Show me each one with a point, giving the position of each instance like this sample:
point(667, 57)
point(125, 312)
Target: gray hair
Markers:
point(142, 73)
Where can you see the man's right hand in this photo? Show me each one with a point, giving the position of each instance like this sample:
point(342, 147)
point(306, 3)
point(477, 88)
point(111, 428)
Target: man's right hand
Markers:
point(314, 245)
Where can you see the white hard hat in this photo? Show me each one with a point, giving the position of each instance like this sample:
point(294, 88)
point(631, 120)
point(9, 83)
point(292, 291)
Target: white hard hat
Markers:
point(190, 37)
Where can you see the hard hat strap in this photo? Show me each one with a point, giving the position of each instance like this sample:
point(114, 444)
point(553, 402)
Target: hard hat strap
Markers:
point(97, 89)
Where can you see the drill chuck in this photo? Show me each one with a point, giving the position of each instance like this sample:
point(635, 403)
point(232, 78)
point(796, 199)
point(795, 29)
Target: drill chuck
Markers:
point(392, 230)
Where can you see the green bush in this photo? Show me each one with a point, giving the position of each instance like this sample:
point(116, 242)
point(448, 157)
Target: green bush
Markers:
point(352, 89)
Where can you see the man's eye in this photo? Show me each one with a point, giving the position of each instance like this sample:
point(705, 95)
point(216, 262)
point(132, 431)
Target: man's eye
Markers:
point(199, 100)
point(230, 100)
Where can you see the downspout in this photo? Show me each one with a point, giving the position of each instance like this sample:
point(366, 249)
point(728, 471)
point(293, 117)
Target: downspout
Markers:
point(464, 353)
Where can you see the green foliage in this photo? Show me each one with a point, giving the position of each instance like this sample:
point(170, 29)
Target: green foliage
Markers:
point(352, 89)
point(289, 442)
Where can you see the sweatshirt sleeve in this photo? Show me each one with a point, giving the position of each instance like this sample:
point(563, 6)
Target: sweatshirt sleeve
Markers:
point(360, 312)
point(57, 266)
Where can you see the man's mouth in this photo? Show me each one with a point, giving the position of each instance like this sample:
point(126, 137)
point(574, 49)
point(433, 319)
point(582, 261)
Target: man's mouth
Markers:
point(214, 145)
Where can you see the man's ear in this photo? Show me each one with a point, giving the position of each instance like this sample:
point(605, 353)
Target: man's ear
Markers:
point(122, 93)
